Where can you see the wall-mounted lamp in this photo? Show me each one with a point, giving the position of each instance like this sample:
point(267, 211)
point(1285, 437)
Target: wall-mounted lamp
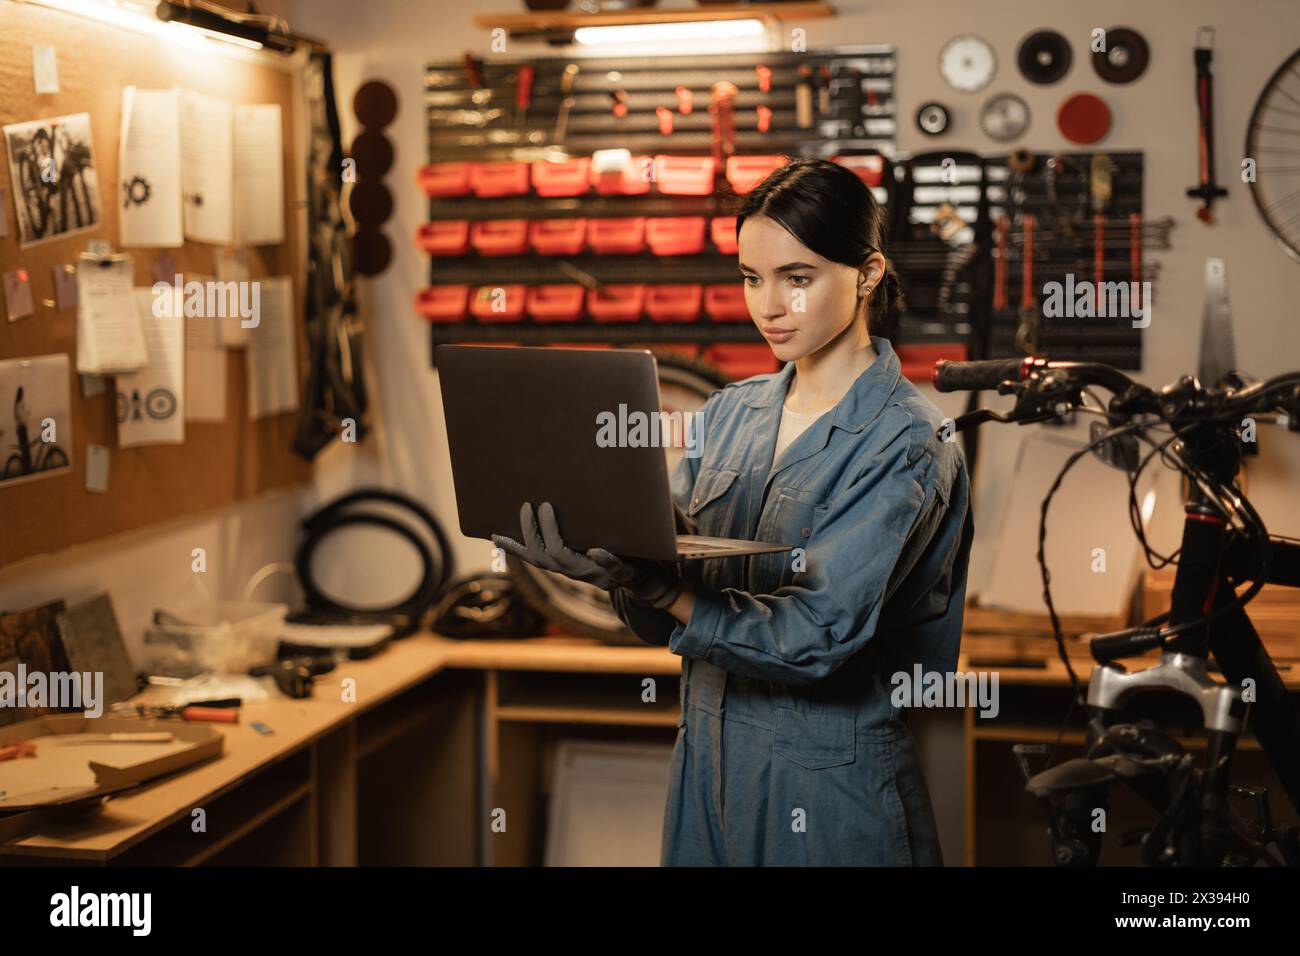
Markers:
point(184, 22)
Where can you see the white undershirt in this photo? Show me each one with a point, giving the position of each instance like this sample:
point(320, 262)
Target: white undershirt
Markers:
point(793, 424)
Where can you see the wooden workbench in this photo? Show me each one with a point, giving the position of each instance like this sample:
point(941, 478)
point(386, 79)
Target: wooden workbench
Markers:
point(391, 777)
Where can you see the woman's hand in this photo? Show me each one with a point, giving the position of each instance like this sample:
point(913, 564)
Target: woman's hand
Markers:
point(647, 582)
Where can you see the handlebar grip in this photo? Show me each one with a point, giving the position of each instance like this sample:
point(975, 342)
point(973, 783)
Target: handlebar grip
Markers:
point(949, 376)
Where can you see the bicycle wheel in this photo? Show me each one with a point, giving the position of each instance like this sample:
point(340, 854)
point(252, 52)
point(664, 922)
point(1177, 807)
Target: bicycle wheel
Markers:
point(14, 467)
point(583, 609)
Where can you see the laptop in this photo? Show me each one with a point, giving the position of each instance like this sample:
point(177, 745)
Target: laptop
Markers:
point(558, 425)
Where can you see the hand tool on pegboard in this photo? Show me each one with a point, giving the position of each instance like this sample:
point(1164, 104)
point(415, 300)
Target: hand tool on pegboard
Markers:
point(722, 113)
point(523, 93)
point(803, 98)
point(1207, 190)
point(1000, 266)
point(1027, 330)
point(566, 103)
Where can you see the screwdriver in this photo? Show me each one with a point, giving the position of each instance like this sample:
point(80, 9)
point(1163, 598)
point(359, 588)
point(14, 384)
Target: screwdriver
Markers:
point(523, 93)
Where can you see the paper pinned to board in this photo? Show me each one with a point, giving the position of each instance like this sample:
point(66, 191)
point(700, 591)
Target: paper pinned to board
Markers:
point(207, 168)
point(233, 300)
point(205, 367)
point(149, 164)
point(272, 362)
point(109, 336)
point(150, 402)
point(259, 175)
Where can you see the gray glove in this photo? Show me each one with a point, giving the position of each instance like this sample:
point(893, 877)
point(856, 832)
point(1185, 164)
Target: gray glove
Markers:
point(646, 582)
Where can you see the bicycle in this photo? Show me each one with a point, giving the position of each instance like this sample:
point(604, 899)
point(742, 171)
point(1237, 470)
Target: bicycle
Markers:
point(1196, 825)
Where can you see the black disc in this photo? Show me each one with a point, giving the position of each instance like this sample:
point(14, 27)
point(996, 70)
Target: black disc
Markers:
point(1125, 58)
point(371, 252)
point(375, 104)
point(373, 153)
point(1044, 57)
point(371, 203)
point(932, 119)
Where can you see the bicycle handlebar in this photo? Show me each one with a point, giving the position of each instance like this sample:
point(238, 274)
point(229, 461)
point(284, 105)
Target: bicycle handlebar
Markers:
point(949, 376)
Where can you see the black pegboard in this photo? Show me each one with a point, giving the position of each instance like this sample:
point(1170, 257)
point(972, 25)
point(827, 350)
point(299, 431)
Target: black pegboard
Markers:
point(472, 115)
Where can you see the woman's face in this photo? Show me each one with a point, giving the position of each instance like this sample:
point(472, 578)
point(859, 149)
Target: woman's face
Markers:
point(798, 300)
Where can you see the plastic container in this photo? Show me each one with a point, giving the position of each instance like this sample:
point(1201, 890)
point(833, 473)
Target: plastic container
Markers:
point(499, 237)
point(870, 169)
point(445, 179)
point(726, 303)
point(722, 230)
point(685, 175)
point(610, 237)
point(746, 172)
point(498, 303)
point(555, 303)
point(558, 237)
point(675, 235)
point(674, 303)
point(221, 638)
point(450, 238)
point(742, 361)
point(572, 178)
point(443, 303)
point(617, 303)
point(499, 179)
point(633, 179)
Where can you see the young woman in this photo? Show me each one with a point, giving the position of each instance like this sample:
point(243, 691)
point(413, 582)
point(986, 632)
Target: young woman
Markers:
point(789, 750)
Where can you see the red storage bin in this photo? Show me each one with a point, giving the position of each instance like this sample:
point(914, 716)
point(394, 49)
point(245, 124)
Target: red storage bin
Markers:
point(617, 303)
point(723, 233)
point(499, 179)
point(674, 303)
point(555, 303)
point(443, 303)
point(918, 360)
point(511, 298)
point(616, 236)
point(450, 238)
point(632, 180)
point(870, 169)
point(726, 303)
point(685, 175)
point(558, 237)
point(499, 237)
point(746, 172)
point(742, 361)
point(675, 235)
point(572, 178)
point(445, 179)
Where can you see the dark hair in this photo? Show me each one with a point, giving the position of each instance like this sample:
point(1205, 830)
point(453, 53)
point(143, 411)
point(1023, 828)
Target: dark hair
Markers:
point(830, 210)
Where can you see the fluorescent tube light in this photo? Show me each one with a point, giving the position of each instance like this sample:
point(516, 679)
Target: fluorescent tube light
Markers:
point(668, 32)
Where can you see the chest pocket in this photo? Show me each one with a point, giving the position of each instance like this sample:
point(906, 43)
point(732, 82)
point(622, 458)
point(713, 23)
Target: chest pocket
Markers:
point(794, 522)
point(713, 500)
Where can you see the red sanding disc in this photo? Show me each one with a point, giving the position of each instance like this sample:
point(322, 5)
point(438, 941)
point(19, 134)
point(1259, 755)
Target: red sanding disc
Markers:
point(1083, 118)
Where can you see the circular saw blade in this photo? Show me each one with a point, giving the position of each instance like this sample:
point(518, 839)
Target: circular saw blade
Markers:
point(1125, 58)
point(1044, 57)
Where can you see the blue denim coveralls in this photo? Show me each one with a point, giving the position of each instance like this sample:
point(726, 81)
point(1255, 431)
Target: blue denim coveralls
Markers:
point(789, 751)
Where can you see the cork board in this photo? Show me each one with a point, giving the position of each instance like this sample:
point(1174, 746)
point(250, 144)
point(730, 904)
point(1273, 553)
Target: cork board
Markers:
point(220, 462)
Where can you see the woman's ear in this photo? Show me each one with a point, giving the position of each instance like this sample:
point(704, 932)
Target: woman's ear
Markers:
point(872, 272)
